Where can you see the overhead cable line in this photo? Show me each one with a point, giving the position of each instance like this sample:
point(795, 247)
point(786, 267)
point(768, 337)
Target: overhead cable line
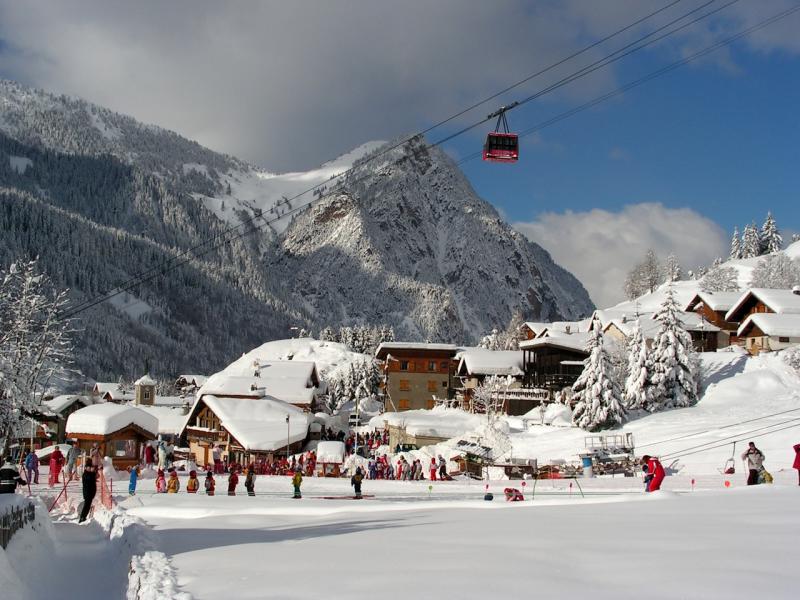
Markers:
point(77, 308)
point(425, 148)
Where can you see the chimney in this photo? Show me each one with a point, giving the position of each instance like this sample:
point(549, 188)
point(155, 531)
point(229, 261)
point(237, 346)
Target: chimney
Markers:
point(796, 290)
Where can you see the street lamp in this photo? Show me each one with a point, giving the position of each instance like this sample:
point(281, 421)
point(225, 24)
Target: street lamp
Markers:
point(287, 440)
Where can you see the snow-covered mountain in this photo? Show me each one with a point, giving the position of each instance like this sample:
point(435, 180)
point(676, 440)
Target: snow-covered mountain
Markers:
point(100, 197)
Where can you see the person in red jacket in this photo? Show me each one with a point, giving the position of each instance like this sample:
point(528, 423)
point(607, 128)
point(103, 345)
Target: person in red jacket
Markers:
point(433, 469)
point(796, 464)
point(655, 469)
point(233, 480)
point(56, 464)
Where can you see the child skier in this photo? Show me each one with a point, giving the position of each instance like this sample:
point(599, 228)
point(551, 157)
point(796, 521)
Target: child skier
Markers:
point(192, 485)
point(655, 469)
point(133, 479)
point(297, 480)
point(250, 481)
point(173, 485)
point(210, 484)
point(233, 481)
point(433, 468)
point(356, 480)
point(161, 483)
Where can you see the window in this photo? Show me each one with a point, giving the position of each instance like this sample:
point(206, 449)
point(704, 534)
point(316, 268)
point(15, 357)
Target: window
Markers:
point(444, 384)
point(432, 387)
point(405, 385)
point(431, 365)
point(403, 404)
point(785, 340)
point(404, 365)
point(430, 404)
point(444, 366)
point(125, 448)
point(146, 395)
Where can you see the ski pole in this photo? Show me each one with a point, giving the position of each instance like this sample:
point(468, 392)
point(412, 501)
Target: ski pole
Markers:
point(580, 489)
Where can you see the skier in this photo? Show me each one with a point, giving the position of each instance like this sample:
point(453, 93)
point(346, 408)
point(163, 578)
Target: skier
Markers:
point(442, 468)
point(72, 458)
point(10, 478)
point(216, 455)
point(297, 480)
point(250, 481)
point(356, 480)
point(433, 468)
point(192, 485)
point(133, 479)
point(174, 484)
point(796, 464)
point(655, 469)
point(210, 484)
point(89, 483)
point(149, 456)
point(161, 483)
point(94, 456)
point(162, 455)
point(233, 481)
point(754, 460)
point(56, 463)
point(32, 466)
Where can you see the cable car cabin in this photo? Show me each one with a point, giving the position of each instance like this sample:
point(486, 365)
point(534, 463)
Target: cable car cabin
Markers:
point(501, 147)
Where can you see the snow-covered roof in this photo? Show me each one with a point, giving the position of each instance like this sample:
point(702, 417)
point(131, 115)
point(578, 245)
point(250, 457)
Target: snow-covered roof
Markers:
point(270, 382)
point(325, 355)
point(170, 401)
point(480, 361)
point(716, 301)
point(575, 341)
point(438, 422)
point(388, 347)
point(773, 325)
point(145, 380)
point(691, 322)
point(330, 452)
point(300, 370)
point(170, 420)
point(562, 328)
point(101, 387)
point(197, 380)
point(59, 403)
point(779, 301)
point(260, 425)
point(106, 418)
point(536, 327)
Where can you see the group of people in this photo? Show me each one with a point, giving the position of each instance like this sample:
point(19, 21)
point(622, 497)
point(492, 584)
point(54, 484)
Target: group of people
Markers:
point(381, 468)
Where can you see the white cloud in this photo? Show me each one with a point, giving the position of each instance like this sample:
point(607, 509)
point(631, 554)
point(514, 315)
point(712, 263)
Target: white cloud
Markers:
point(599, 246)
point(291, 84)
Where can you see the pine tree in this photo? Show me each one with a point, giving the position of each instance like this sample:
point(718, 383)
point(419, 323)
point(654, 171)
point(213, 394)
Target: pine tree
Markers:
point(771, 240)
point(638, 370)
point(597, 392)
point(673, 377)
point(644, 277)
point(673, 268)
point(736, 245)
point(327, 335)
point(720, 279)
point(751, 244)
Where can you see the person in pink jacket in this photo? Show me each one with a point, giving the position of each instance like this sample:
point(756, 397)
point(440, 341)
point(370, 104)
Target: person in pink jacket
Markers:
point(796, 464)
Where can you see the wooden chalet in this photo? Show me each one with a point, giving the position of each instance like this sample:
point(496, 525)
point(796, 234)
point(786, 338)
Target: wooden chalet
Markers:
point(476, 364)
point(415, 374)
point(760, 334)
point(706, 337)
point(121, 432)
point(531, 329)
point(713, 306)
point(766, 332)
point(553, 363)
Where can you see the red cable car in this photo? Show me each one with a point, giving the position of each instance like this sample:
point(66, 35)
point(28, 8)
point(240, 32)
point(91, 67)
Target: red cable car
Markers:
point(501, 146)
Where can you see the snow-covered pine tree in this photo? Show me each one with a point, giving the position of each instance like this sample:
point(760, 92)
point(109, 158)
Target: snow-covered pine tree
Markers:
point(672, 268)
point(597, 392)
point(776, 271)
point(771, 240)
point(512, 335)
point(644, 277)
point(491, 341)
point(327, 335)
point(751, 244)
point(736, 245)
point(720, 279)
point(673, 374)
point(638, 370)
point(795, 237)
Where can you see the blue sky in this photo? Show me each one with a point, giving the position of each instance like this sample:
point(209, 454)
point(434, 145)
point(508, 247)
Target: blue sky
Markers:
point(672, 165)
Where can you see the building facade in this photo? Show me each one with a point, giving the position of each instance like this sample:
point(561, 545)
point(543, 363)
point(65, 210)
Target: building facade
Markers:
point(415, 374)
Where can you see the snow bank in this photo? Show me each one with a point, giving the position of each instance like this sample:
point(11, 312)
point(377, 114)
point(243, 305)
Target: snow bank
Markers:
point(32, 546)
point(437, 422)
point(153, 578)
point(102, 419)
point(330, 452)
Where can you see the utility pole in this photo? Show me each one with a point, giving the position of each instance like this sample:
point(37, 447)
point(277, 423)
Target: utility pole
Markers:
point(287, 440)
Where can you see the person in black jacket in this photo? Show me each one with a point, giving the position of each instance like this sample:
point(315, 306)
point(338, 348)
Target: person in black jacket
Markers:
point(89, 481)
point(356, 480)
point(9, 478)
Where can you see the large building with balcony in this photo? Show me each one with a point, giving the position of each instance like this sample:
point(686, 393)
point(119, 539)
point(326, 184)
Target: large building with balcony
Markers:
point(416, 374)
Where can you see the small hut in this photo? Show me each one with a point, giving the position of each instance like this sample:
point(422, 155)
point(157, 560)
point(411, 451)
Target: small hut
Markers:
point(330, 459)
point(121, 431)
